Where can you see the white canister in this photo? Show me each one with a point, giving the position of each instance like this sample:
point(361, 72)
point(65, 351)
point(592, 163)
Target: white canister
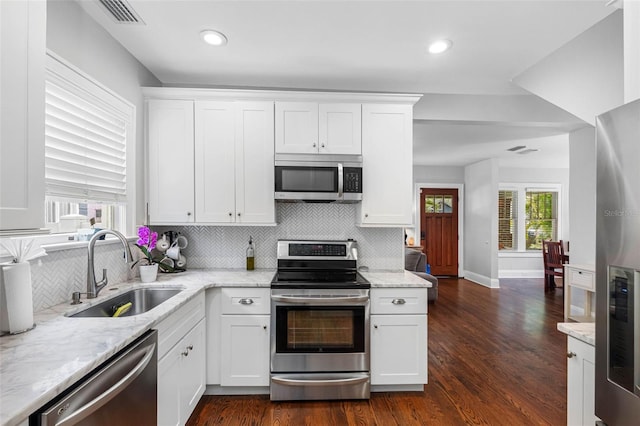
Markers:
point(16, 298)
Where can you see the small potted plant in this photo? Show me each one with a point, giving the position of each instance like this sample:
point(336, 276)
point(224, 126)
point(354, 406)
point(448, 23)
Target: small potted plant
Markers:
point(146, 243)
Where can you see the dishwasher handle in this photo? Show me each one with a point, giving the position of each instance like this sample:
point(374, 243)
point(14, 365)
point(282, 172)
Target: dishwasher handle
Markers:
point(95, 404)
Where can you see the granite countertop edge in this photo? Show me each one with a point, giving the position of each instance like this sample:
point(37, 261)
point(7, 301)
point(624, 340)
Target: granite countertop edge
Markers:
point(38, 365)
point(583, 331)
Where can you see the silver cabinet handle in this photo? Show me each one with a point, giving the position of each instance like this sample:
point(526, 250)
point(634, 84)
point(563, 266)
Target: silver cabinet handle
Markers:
point(571, 354)
point(319, 300)
point(322, 146)
point(398, 301)
point(94, 405)
point(239, 214)
point(246, 301)
point(328, 382)
point(375, 326)
point(230, 214)
point(314, 144)
point(188, 213)
point(190, 347)
point(185, 353)
point(264, 326)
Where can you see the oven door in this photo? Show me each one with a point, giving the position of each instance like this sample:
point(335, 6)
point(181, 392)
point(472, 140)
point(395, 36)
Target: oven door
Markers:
point(319, 330)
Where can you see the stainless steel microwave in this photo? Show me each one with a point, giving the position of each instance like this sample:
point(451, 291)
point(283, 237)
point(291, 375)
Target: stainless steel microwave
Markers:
point(318, 178)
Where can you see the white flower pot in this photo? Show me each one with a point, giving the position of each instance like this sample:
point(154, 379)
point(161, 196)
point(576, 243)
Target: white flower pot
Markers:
point(148, 273)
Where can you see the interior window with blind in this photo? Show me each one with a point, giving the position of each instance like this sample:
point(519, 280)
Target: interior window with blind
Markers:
point(87, 129)
point(507, 220)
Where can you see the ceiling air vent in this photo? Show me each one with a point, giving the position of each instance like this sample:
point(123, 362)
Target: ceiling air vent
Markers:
point(527, 151)
point(517, 148)
point(122, 12)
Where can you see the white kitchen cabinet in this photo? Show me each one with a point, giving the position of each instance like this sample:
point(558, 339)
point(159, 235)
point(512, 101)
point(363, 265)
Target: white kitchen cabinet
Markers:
point(170, 161)
point(583, 278)
point(387, 165)
point(234, 164)
point(318, 128)
point(22, 78)
point(580, 383)
point(181, 362)
point(244, 336)
point(245, 350)
point(398, 336)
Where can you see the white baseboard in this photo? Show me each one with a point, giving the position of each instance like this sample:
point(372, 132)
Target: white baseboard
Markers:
point(236, 390)
point(520, 273)
point(482, 280)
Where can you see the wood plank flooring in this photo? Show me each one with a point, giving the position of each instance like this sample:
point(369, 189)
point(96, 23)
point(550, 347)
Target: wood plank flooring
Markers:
point(495, 358)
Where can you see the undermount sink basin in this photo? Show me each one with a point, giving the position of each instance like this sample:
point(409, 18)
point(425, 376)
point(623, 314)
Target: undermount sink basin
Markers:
point(142, 300)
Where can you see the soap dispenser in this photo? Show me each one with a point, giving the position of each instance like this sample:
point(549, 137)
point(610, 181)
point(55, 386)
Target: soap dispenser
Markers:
point(250, 255)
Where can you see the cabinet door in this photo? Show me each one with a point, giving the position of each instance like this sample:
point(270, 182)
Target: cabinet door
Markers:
point(254, 163)
point(170, 174)
point(387, 174)
point(398, 349)
point(245, 350)
point(580, 383)
point(340, 128)
point(193, 369)
point(215, 161)
point(168, 388)
point(296, 127)
point(22, 75)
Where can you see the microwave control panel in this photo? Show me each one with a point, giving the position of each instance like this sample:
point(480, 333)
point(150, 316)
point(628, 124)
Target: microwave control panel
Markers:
point(353, 179)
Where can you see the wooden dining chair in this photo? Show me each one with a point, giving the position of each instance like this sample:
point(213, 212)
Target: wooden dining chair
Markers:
point(553, 257)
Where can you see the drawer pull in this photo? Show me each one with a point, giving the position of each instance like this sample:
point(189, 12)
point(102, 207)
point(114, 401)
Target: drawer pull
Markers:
point(571, 354)
point(398, 301)
point(246, 301)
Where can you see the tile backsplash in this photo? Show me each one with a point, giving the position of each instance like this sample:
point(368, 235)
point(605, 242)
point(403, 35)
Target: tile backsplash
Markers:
point(56, 276)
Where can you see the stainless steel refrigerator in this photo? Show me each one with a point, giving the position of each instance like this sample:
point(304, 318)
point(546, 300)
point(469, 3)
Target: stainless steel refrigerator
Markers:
point(618, 266)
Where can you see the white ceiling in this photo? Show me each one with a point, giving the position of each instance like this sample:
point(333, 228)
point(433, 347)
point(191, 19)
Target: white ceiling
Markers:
point(356, 46)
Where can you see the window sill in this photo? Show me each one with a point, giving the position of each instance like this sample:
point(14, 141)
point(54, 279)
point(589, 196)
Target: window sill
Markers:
point(520, 254)
point(58, 242)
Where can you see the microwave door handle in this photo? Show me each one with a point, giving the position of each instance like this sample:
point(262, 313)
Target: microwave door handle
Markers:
point(340, 180)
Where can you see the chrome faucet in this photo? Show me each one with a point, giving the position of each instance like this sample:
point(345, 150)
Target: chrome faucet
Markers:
point(93, 287)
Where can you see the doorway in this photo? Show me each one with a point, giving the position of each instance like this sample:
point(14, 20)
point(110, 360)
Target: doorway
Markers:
point(439, 229)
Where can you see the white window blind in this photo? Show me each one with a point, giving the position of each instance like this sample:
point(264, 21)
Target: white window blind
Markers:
point(86, 134)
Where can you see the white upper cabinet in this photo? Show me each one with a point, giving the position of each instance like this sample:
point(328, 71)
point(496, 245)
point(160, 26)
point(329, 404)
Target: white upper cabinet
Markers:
point(170, 156)
point(318, 128)
point(387, 165)
point(296, 126)
point(22, 75)
point(234, 164)
point(215, 161)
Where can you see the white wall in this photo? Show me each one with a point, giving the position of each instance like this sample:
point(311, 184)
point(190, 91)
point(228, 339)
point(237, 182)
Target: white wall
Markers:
point(77, 38)
point(435, 174)
point(481, 222)
point(585, 76)
point(583, 196)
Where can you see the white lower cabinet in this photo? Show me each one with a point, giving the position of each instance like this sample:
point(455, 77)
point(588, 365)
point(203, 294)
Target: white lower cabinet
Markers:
point(238, 339)
point(245, 350)
point(399, 336)
point(580, 383)
point(181, 363)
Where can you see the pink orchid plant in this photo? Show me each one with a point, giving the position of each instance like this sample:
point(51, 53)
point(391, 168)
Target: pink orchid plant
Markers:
point(146, 243)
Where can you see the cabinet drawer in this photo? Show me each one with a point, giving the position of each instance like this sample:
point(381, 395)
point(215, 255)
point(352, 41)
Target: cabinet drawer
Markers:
point(250, 301)
point(399, 301)
point(174, 327)
point(582, 279)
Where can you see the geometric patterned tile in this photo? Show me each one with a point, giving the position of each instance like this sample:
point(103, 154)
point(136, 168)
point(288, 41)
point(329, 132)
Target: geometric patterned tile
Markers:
point(60, 273)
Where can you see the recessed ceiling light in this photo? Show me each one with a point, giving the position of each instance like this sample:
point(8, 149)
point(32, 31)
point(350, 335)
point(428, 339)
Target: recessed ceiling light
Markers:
point(440, 46)
point(214, 38)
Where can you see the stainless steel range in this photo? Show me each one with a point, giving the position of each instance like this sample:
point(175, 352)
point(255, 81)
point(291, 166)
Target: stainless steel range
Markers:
point(319, 323)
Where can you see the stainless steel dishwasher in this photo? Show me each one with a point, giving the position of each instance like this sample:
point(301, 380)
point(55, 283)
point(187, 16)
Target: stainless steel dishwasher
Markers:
point(122, 391)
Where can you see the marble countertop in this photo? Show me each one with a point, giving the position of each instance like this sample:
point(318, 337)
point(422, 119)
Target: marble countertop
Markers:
point(583, 331)
point(38, 365)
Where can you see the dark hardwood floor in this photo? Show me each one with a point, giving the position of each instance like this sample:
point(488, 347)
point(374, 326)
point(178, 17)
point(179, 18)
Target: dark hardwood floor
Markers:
point(495, 358)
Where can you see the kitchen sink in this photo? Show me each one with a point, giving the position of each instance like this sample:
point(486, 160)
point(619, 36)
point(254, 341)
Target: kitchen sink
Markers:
point(142, 300)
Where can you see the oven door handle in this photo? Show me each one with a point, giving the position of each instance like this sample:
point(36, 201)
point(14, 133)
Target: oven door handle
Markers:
point(319, 300)
point(327, 382)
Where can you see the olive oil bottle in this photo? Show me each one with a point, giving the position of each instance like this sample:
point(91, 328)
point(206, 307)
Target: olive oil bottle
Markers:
point(250, 255)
